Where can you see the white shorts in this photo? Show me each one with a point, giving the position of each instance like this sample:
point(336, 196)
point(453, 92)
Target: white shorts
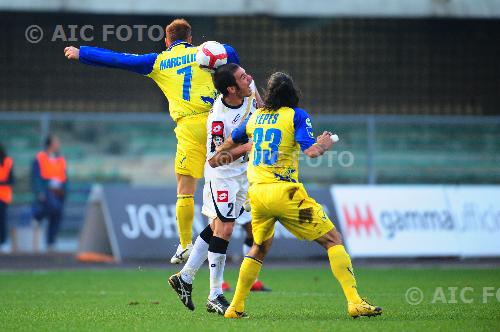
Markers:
point(245, 218)
point(224, 198)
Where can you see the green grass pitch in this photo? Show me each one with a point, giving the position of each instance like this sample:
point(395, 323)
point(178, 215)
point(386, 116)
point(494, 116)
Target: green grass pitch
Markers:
point(303, 299)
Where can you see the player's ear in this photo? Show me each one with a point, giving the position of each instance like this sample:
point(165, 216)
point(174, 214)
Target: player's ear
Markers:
point(190, 39)
point(231, 89)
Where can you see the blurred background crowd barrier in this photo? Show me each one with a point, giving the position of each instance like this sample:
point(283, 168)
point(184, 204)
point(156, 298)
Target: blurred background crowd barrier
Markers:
point(139, 149)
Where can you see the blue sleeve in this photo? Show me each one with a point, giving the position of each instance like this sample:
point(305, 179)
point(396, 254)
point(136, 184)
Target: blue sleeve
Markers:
point(232, 55)
point(239, 135)
point(141, 64)
point(303, 129)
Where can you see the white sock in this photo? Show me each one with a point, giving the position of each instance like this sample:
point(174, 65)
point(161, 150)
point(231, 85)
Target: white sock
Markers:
point(246, 249)
point(195, 261)
point(216, 262)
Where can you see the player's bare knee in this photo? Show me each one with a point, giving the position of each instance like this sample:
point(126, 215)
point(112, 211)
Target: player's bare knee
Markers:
point(337, 237)
point(227, 230)
point(224, 230)
point(186, 185)
point(259, 251)
point(330, 239)
point(263, 248)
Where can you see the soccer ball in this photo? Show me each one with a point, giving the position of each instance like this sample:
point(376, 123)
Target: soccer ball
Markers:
point(211, 55)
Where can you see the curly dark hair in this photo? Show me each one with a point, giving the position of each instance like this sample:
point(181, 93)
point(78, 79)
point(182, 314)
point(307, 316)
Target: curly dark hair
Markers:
point(281, 92)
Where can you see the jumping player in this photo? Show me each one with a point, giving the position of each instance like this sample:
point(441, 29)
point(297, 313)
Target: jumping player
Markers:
point(190, 93)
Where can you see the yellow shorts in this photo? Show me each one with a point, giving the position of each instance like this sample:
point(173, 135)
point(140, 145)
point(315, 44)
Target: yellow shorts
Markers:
point(191, 133)
point(289, 204)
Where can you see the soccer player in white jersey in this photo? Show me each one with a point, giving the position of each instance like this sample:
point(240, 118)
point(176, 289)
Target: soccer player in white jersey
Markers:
point(226, 186)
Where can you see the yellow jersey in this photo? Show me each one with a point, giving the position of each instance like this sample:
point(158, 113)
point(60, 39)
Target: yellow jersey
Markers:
point(189, 89)
point(278, 136)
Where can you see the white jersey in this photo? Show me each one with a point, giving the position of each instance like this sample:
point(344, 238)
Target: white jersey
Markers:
point(222, 120)
point(226, 187)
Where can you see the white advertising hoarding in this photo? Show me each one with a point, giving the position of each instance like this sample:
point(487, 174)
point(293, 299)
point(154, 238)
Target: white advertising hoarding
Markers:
point(476, 211)
point(419, 221)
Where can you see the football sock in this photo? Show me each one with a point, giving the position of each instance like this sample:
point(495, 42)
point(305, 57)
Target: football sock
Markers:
point(198, 255)
point(247, 245)
point(249, 271)
point(184, 210)
point(341, 265)
point(216, 261)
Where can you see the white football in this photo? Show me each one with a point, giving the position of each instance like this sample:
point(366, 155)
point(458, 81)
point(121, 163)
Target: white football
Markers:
point(211, 55)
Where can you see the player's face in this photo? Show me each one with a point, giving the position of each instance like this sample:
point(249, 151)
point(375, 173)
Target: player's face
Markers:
point(243, 80)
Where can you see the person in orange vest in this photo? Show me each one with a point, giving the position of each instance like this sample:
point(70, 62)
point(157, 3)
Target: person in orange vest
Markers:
point(6, 181)
point(49, 181)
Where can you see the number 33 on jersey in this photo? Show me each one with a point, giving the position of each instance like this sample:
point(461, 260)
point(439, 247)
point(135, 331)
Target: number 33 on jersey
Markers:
point(278, 136)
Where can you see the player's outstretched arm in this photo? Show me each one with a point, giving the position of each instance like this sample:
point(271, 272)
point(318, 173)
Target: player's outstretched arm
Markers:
point(323, 143)
point(95, 56)
point(228, 144)
point(238, 137)
point(227, 157)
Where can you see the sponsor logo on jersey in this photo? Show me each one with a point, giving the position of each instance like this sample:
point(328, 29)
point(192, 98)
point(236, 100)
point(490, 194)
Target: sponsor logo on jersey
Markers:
point(309, 128)
point(218, 128)
point(236, 118)
point(217, 135)
point(217, 140)
point(222, 196)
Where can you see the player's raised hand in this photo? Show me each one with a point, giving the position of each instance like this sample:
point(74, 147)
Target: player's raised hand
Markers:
point(325, 140)
point(72, 53)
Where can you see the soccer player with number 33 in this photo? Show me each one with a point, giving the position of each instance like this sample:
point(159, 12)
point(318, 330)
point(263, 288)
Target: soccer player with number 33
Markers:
point(279, 131)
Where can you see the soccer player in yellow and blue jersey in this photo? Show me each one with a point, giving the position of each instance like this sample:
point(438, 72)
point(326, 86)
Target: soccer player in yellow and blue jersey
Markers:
point(190, 93)
point(279, 131)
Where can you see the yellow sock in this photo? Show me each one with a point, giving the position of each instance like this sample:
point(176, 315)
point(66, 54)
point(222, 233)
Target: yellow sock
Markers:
point(184, 210)
point(341, 265)
point(249, 271)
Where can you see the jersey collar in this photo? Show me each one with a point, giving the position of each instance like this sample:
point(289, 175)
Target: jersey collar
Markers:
point(179, 42)
point(232, 107)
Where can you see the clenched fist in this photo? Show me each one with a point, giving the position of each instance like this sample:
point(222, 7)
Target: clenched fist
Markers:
point(72, 53)
point(324, 140)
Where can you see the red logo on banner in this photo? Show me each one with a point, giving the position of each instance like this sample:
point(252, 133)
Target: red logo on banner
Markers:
point(357, 222)
point(218, 128)
point(222, 196)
